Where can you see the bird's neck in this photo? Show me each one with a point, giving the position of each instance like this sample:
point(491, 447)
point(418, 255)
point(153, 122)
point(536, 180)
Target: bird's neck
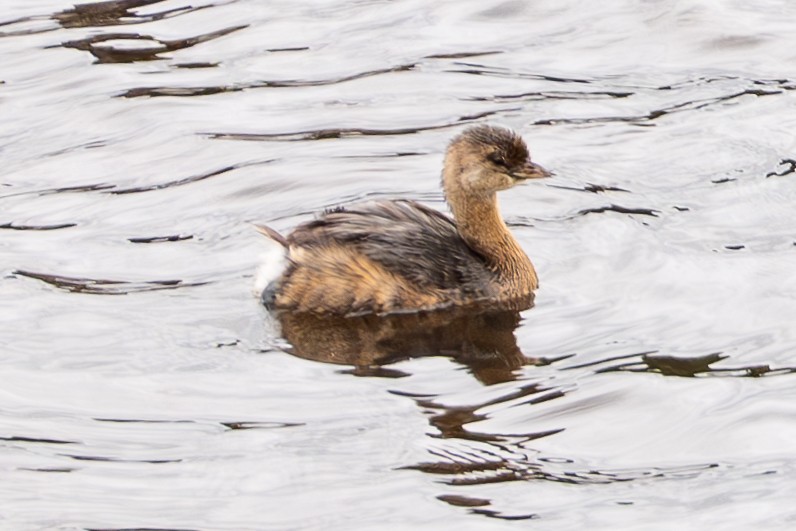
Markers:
point(483, 229)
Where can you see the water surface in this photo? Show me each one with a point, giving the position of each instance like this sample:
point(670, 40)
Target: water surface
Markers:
point(651, 386)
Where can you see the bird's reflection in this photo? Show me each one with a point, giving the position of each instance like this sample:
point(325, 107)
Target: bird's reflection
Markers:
point(479, 338)
point(461, 452)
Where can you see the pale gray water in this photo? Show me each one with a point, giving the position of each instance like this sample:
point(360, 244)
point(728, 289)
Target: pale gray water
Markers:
point(669, 232)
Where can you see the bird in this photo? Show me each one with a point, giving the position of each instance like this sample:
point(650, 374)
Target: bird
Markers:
point(400, 256)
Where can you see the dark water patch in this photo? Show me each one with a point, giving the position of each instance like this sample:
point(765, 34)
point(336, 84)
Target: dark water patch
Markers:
point(88, 145)
point(78, 189)
point(458, 500)
point(554, 95)
point(591, 188)
point(723, 180)
point(322, 134)
point(195, 65)
point(155, 47)
point(145, 421)
point(186, 180)
point(673, 366)
point(620, 210)
point(789, 167)
point(95, 286)
point(260, 425)
point(292, 49)
point(115, 13)
point(104, 459)
point(162, 239)
point(608, 360)
point(231, 425)
point(56, 470)
point(58, 226)
point(223, 344)
point(484, 70)
point(217, 89)
point(598, 188)
point(375, 372)
point(779, 83)
point(15, 438)
point(692, 366)
point(178, 92)
point(451, 468)
point(397, 154)
point(461, 55)
point(731, 247)
point(500, 516)
point(700, 80)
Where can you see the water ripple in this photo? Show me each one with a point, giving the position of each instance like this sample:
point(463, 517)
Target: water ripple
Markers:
point(287, 83)
point(98, 286)
point(132, 47)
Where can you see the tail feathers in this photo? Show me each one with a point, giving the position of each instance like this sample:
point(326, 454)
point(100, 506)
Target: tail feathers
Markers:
point(268, 232)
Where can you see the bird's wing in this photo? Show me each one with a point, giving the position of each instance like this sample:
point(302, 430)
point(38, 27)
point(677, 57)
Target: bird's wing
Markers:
point(405, 237)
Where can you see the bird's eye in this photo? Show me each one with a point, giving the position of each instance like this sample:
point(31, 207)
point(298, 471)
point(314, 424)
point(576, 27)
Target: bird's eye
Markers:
point(498, 159)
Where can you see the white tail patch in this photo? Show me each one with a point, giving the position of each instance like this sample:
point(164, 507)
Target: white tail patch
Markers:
point(272, 264)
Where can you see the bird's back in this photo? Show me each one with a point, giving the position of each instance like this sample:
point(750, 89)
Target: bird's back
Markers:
point(380, 257)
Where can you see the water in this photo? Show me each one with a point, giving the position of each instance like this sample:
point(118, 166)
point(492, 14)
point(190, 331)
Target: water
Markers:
point(651, 386)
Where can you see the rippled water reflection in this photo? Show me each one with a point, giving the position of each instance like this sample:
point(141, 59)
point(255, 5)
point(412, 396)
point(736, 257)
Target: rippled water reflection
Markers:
point(651, 386)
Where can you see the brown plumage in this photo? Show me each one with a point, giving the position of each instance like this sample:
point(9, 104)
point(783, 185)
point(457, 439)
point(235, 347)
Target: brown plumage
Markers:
point(400, 256)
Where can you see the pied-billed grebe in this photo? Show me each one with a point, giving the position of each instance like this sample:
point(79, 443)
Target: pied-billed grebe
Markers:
point(398, 256)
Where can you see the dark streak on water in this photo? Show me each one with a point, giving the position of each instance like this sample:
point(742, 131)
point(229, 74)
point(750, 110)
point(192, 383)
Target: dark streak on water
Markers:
point(153, 52)
point(161, 239)
point(620, 209)
point(14, 226)
point(205, 91)
point(172, 184)
point(658, 113)
point(114, 460)
point(97, 286)
point(59, 470)
point(35, 440)
point(322, 134)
